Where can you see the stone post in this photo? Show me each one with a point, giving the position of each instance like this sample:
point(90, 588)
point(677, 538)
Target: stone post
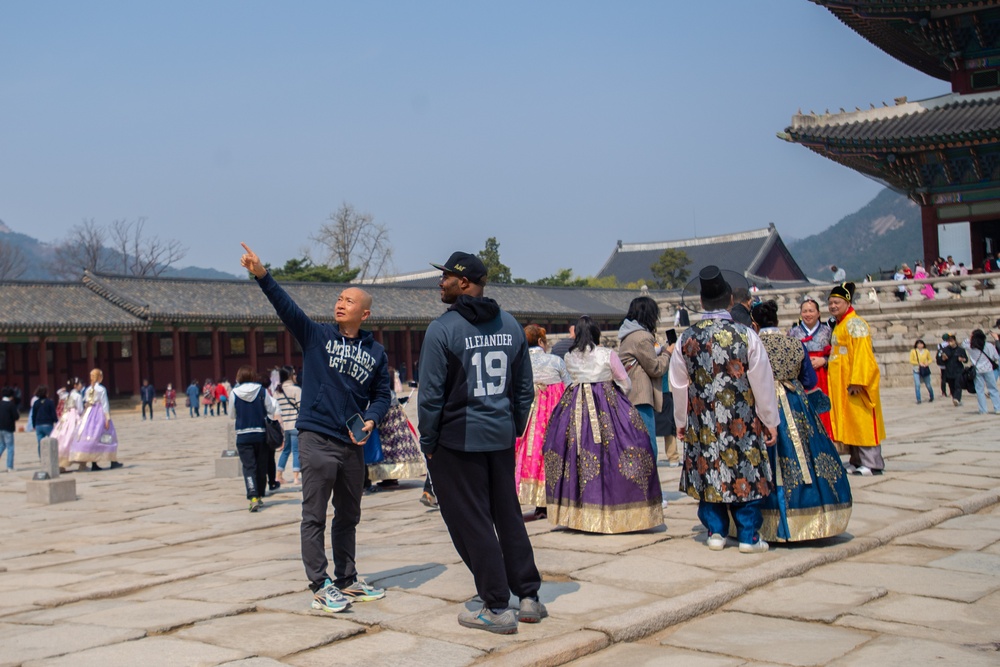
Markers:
point(228, 464)
point(47, 487)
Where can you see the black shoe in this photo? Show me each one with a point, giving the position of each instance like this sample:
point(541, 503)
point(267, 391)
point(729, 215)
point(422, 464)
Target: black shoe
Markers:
point(94, 467)
point(274, 486)
point(116, 464)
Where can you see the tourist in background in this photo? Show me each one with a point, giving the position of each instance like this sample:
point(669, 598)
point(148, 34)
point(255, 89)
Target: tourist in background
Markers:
point(644, 360)
point(740, 310)
point(8, 423)
point(147, 394)
point(43, 412)
point(551, 378)
point(815, 335)
point(193, 399)
point(839, 275)
point(953, 358)
point(97, 440)
point(855, 399)
point(985, 359)
point(812, 496)
point(170, 400)
point(600, 476)
point(251, 406)
point(289, 396)
point(920, 360)
point(208, 398)
point(397, 440)
point(69, 420)
point(221, 396)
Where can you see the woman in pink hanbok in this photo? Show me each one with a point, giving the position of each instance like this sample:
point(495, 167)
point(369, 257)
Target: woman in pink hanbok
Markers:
point(551, 378)
point(927, 289)
point(69, 419)
point(96, 441)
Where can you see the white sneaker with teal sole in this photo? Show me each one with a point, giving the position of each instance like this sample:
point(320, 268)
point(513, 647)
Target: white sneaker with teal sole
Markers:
point(330, 599)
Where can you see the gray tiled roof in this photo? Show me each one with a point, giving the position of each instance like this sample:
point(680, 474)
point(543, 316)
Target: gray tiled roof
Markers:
point(45, 307)
point(953, 116)
point(184, 300)
point(741, 253)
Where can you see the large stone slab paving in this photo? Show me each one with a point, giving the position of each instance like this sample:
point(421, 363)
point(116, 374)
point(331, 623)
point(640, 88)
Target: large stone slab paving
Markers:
point(643, 573)
point(254, 662)
point(161, 651)
point(891, 651)
point(929, 582)
point(805, 600)
point(877, 497)
point(33, 643)
point(395, 604)
point(609, 544)
point(647, 655)
point(389, 649)
point(273, 569)
point(584, 601)
point(156, 616)
point(970, 561)
point(442, 623)
point(249, 590)
point(904, 487)
point(692, 550)
point(964, 480)
point(448, 582)
point(972, 540)
point(894, 628)
point(765, 639)
point(58, 615)
point(959, 618)
point(271, 634)
point(902, 555)
point(973, 522)
point(566, 563)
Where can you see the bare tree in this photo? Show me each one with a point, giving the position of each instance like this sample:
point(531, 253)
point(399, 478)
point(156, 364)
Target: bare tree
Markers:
point(12, 261)
point(353, 240)
point(121, 248)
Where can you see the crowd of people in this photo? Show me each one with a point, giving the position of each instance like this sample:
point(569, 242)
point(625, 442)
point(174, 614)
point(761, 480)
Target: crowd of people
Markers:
point(972, 366)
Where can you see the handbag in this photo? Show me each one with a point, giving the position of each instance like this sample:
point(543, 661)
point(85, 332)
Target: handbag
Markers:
point(373, 449)
point(274, 436)
point(925, 371)
point(969, 379)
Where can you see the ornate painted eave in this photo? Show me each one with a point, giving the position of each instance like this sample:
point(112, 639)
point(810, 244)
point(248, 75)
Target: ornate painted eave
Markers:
point(932, 37)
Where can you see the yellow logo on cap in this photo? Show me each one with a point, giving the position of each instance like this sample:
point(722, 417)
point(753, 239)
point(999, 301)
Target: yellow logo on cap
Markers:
point(460, 267)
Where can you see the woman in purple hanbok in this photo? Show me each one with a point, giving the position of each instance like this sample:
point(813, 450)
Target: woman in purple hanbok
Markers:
point(600, 476)
point(69, 419)
point(96, 441)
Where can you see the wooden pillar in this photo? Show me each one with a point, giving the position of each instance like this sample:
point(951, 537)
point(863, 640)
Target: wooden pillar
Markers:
point(929, 227)
point(378, 335)
point(408, 351)
point(25, 382)
point(91, 353)
point(43, 363)
point(288, 343)
point(60, 362)
point(179, 380)
point(252, 347)
point(216, 355)
point(136, 371)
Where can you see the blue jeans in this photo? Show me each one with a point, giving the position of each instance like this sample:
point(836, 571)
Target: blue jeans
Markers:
point(172, 410)
point(291, 447)
point(649, 419)
point(42, 431)
point(917, 380)
point(7, 442)
point(986, 380)
point(748, 518)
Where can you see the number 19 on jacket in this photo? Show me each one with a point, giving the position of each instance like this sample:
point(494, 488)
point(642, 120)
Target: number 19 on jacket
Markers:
point(494, 364)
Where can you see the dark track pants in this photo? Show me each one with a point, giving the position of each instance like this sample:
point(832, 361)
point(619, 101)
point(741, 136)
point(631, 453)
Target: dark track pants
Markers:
point(252, 456)
point(478, 501)
point(330, 467)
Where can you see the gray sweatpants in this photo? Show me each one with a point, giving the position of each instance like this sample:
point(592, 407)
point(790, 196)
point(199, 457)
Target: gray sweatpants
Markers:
point(330, 467)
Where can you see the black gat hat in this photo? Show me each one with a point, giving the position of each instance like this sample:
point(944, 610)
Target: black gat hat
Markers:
point(713, 285)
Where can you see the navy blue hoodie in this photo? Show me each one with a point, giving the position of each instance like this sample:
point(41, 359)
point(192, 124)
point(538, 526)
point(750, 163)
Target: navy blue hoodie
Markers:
point(341, 376)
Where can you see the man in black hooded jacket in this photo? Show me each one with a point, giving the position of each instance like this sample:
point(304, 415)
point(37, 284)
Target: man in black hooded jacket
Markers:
point(475, 396)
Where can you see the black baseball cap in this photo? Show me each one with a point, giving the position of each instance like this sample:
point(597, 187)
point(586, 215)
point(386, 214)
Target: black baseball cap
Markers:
point(464, 265)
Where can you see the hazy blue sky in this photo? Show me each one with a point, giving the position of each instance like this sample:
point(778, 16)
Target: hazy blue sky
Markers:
point(557, 126)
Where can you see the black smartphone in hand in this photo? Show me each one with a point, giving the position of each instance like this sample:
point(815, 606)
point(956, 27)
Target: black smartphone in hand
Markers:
point(357, 424)
point(671, 336)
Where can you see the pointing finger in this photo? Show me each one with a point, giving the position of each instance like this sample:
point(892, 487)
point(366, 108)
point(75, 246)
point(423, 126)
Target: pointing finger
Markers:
point(246, 247)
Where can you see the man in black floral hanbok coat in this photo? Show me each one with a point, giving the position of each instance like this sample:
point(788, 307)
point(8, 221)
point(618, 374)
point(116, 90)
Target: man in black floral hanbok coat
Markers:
point(726, 412)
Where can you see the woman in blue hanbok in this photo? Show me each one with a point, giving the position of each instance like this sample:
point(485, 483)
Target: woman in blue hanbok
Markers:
point(812, 497)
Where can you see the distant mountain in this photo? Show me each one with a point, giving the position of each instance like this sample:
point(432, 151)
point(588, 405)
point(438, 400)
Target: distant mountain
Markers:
point(882, 235)
point(38, 256)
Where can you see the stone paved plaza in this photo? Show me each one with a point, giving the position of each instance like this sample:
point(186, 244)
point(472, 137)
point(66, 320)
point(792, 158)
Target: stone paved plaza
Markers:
point(160, 563)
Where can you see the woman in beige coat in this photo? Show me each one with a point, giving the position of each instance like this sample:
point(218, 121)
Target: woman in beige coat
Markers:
point(645, 360)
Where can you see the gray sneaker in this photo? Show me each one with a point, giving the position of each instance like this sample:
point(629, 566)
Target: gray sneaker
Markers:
point(532, 611)
point(502, 624)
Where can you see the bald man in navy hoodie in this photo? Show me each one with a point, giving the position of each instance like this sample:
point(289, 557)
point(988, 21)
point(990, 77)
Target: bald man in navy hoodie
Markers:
point(345, 371)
